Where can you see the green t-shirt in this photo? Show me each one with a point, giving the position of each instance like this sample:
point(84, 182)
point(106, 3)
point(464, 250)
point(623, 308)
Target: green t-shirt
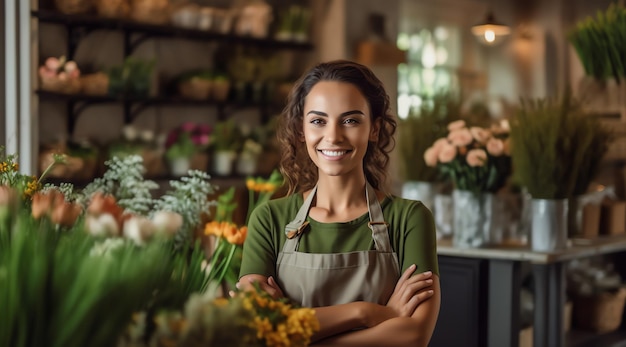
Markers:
point(411, 233)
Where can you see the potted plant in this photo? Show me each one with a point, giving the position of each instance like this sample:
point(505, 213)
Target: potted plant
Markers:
point(477, 162)
point(196, 84)
point(225, 143)
point(556, 151)
point(186, 146)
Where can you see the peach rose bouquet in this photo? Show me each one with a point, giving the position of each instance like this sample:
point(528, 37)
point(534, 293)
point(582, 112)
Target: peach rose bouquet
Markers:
point(474, 158)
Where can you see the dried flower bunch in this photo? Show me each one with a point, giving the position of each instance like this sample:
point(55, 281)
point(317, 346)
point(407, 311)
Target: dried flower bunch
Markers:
point(473, 158)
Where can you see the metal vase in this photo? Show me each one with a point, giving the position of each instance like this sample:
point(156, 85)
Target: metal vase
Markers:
point(549, 224)
point(472, 219)
point(420, 191)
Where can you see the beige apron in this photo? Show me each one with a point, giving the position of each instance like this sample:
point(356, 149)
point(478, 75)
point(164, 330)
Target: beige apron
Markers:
point(314, 279)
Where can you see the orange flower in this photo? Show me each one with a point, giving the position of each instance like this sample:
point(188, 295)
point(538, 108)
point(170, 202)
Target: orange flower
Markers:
point(65, 213)
point(236, 236)
point(229, 231)
point(44, 202)
point(101, 203)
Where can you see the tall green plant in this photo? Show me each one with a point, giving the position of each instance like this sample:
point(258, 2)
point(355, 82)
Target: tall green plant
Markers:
point(556, 147)
point(67, 288)
point(600, 43)
point(418, 132)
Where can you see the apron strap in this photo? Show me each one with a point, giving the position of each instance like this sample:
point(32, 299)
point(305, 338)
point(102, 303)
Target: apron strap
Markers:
point(377, 222)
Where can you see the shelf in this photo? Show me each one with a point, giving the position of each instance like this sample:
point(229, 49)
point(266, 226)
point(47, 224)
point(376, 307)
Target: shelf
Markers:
point(78, 102)
point(93, 22)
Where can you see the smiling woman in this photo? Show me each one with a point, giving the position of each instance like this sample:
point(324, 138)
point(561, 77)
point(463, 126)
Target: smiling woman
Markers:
point(364, 259)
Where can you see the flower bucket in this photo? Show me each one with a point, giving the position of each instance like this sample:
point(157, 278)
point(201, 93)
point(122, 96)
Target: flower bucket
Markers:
point(420, 191)
point(549, 224)
point(476, 219)
point(247, 164)
point(223, 162)
point(179, 166)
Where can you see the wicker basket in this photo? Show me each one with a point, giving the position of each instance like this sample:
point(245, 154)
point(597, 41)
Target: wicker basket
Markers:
point(113, 8)
point(95, 84)
point(73, 6)
point(195, 88)
point(150, 11)
point(601, 313)
point(55, 84)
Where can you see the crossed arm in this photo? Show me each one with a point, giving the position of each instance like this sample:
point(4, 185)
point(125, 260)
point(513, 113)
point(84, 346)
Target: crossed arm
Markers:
point(408, 318)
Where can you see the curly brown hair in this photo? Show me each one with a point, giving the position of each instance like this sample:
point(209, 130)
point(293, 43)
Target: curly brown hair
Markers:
point(299, 171)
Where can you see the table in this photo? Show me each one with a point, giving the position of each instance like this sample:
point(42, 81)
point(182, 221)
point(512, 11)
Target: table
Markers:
point(504, 285)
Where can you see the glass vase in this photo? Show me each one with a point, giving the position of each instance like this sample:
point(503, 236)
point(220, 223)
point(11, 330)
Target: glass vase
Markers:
point(477, 221)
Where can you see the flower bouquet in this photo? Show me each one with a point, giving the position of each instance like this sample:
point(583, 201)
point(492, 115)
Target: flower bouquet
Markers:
point(478, 162)
point(473, 158)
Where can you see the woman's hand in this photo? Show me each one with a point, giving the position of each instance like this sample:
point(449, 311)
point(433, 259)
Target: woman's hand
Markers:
point(410, 291)
point(267, 284)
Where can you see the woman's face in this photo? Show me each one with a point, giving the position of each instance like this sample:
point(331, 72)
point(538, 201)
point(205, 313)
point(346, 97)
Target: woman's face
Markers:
point(337, 127)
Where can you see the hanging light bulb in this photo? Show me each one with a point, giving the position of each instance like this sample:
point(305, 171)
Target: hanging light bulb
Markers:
point(490, 32)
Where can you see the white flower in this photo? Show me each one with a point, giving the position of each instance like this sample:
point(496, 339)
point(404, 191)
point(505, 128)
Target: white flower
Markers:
point(70, 66)
point(139, 229)
point(102, 225)
point(167, 222)
point(147, 135)
point(129, 132)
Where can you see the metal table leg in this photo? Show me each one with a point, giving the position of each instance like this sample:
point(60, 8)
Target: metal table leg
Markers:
point(504, 303)
point(549, 301)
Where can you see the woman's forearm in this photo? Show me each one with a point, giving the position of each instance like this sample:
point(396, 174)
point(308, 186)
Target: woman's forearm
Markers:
point(399, 331)
point(343, 318)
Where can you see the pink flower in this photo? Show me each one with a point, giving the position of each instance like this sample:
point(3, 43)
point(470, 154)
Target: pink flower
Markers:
point(53, 64)
point(495, 147)
point(476, 157)
point(188, 126)
point(46, 73)
point(460, 137)
point(447, 153)
point(459, 124)
point(479, 134)
point(441, 142)
point(430, 156)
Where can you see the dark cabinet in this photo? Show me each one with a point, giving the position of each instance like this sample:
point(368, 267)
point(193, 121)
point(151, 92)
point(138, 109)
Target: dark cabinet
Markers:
point(463, 314)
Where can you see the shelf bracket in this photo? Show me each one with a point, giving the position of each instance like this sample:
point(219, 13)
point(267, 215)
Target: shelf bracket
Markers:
point(74, 35)
point(130, 45)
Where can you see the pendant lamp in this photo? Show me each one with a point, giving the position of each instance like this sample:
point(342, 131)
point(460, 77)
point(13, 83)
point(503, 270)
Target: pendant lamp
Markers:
point(490, 32)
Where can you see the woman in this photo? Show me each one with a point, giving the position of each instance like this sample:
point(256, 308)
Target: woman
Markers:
point(337, 242)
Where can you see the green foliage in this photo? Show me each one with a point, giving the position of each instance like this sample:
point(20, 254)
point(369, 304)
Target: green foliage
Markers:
point(124, 180)
point(189, 198)
point(418, 132)
point(601, 43)
point(556, 147)
point(227, 136)
point(66, 288)
point(182, 148)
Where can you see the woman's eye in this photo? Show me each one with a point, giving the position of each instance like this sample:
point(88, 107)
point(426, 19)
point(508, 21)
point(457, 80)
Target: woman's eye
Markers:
point(317, 121)
point(350, 121)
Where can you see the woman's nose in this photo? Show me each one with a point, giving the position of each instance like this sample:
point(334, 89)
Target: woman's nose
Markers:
point(334, 133)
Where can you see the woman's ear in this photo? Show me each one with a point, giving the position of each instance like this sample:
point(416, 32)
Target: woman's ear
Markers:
point(375, 130)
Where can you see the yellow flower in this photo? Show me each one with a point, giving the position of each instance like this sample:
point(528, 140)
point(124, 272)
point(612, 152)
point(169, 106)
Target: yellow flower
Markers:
point(4, 166)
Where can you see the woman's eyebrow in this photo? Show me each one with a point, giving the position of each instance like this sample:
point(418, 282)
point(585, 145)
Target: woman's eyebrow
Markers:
point(324, 114)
